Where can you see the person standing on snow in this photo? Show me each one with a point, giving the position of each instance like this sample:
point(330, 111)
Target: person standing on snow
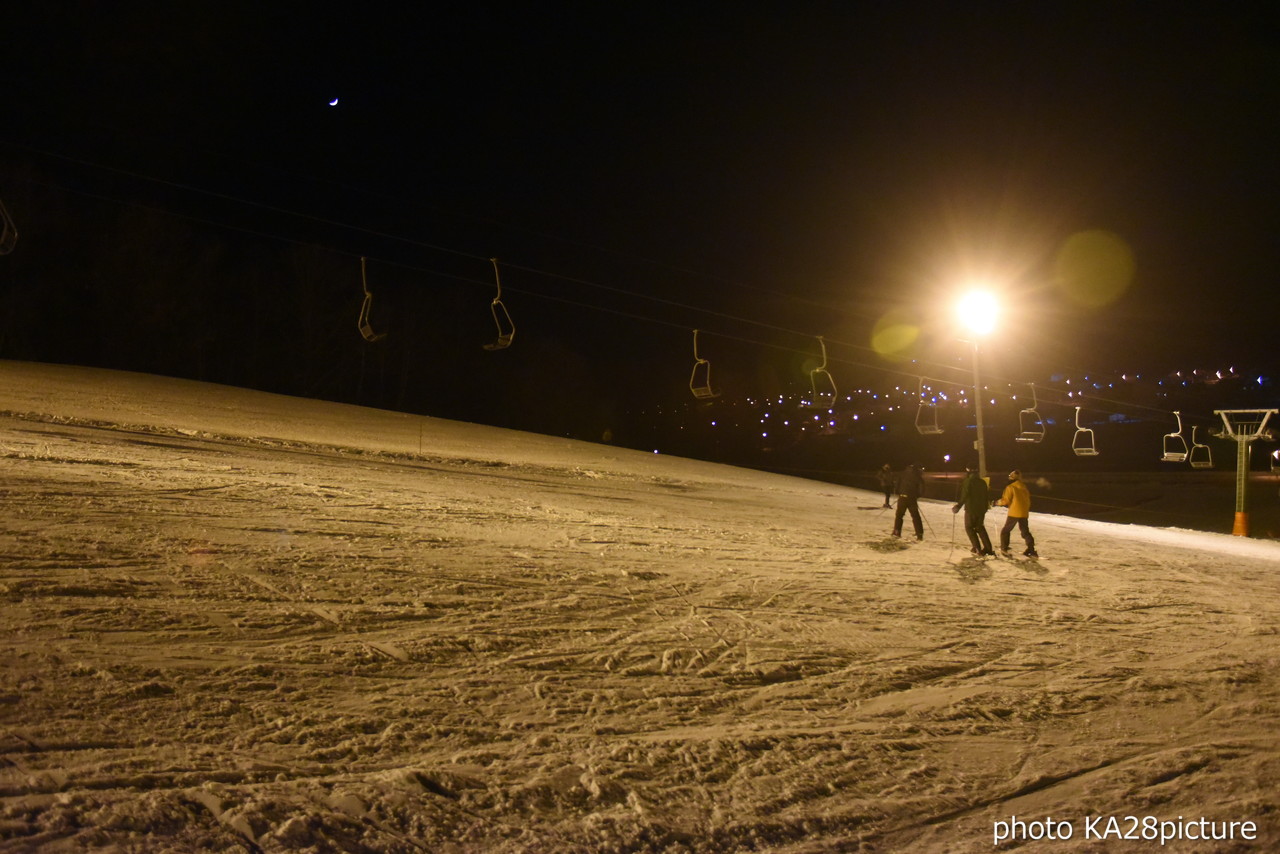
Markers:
point(910, 482)
point(885, 478)
point(1018, 499)
point(974, 497)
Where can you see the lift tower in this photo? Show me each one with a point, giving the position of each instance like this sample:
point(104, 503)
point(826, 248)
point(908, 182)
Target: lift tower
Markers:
point(1245, 426)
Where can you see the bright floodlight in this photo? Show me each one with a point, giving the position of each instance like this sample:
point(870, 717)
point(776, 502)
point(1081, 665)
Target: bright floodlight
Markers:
point(977, 310)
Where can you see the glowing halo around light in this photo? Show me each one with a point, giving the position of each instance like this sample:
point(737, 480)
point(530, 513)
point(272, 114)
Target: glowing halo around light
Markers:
point(1094, 268)
point(977, 310)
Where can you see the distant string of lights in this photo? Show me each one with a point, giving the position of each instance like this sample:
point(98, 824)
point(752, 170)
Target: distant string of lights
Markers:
point(1052, 396)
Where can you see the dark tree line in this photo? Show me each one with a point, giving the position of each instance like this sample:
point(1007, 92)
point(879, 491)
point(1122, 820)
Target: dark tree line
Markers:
point(132, 284)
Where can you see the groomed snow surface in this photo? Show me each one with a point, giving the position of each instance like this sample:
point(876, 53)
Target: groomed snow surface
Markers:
point(237, 621)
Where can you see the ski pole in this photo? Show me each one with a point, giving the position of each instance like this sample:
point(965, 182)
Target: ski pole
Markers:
point(953, 536)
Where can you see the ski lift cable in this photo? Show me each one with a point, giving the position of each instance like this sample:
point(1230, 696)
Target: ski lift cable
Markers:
point(375, 194)
point(227, 197)
point(1114, 378)
point(881, 369)
point(401, 239)
point(680, 305)
point(1057, 398)
point(424, 244)
point(958, 384)
point(1121, 405)
point(1054, 398)
point(420, 244)
point(458, 253)
point(630, 315)
point(878, 368)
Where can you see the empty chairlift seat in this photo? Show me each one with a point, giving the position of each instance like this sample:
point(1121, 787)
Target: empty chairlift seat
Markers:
point(501, 317)
point(700, 378)
point(1200, 456)
point(1174, 449)
point(1082, 443)
point(1030, 424)
point(366, 329)
point(822, 385)
point(927, 415)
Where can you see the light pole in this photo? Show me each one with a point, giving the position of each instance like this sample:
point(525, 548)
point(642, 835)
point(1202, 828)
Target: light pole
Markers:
point(977, 312)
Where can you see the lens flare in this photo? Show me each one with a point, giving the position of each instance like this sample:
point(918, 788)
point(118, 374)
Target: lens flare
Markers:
point(1094, 268)
point(894, 335)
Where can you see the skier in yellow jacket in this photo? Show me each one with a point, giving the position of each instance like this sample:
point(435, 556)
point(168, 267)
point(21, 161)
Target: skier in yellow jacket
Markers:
point(1018, 499)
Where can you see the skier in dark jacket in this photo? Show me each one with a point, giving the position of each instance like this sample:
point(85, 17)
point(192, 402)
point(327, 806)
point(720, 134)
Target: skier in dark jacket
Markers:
point(973, 497)
point(910, 482)
point(885, 478)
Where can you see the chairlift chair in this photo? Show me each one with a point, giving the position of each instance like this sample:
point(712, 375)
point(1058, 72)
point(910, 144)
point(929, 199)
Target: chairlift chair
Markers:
point(926, 415)
point(1175, 445)
point(365, 329)
point(700, 378)
point(1082, 443)
point(501, 317)
point(820, 380)
point(1030, 424)
point(1200, 456)
point(8, 231)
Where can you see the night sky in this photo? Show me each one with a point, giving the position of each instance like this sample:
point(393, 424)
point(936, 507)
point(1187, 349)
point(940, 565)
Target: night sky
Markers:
point(765, 172)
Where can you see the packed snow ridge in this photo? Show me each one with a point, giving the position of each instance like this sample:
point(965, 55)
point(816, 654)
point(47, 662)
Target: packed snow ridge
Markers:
point(234, 620)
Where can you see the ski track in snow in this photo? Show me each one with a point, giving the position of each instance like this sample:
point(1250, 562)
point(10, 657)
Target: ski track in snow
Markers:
point(216, 642)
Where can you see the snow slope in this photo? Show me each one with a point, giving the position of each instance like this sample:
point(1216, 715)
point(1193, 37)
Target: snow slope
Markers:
point(239, 621)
